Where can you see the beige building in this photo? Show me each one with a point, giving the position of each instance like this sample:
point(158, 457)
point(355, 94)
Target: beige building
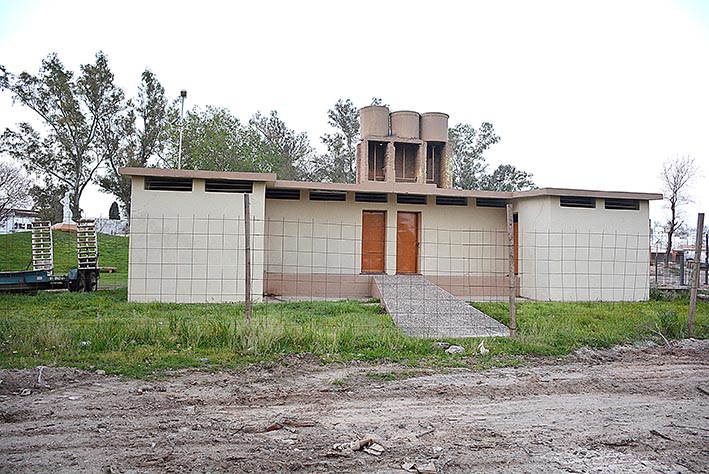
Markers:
point(328, 239)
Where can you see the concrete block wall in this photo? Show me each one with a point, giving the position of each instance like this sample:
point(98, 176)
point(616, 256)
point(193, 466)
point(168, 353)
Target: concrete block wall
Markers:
point(188, 247)
point(321, 241)
point(577, 254)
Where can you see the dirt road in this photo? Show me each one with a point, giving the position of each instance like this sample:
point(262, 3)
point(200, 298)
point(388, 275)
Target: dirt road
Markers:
point(621, 410)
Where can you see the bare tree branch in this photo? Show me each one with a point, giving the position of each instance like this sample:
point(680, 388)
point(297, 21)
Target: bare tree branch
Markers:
point(14, 189)
point(677, 175)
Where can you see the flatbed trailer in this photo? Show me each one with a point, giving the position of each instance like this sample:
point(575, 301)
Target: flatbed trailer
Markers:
point(42, 277)
point(35, 280)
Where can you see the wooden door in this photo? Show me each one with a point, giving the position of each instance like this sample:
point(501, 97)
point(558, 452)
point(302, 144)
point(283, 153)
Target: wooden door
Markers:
point(373, 241)
point(407, 242)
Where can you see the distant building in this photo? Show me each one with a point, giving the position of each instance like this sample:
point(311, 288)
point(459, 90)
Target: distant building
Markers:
point(111, 226)
point(19, 220)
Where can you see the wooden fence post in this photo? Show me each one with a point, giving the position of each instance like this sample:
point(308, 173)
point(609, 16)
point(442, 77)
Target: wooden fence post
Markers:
point(695, 274)
point(511, 271)
point(247, 248)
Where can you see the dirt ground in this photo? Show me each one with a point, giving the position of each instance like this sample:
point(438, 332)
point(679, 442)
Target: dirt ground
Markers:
point(621, 410)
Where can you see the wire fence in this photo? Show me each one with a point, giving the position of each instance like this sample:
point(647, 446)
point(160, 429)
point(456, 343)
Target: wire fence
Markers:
point(424, 276)
point(201, 259)
point(197, 259)
point(674, 272)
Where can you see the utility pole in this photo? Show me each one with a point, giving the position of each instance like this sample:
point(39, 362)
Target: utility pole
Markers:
point(183, 95)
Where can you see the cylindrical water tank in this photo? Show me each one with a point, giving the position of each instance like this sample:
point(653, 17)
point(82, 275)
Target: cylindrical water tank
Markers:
point(434, 127)
point(405, 124)
point(374, 120)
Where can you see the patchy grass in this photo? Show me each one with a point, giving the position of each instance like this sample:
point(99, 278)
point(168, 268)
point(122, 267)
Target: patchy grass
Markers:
point(555, 329)
point(16, 254)
point(102, 330)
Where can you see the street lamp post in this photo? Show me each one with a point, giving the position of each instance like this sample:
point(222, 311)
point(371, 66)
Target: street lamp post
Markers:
point(183, 94)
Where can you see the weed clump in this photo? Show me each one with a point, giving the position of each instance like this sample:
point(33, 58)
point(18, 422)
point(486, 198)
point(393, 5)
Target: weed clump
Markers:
point(671, 325)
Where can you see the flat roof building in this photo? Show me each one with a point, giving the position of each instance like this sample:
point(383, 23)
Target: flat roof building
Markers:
point(326, 240)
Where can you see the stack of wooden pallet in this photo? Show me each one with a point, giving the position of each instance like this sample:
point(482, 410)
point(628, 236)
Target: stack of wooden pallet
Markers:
point(42, 247)
point(87, 244)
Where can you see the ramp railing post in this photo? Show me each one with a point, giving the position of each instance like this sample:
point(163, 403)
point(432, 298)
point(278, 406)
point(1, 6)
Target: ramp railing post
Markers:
point(511, 271)
point(247, 249)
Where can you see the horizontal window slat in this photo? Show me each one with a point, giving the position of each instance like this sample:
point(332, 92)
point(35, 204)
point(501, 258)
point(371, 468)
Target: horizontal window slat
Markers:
point(289, 194)
point(490, 202)
point(410, 199)
point(451, 201)
point(228, 186)
point(622, 204)
point(328, 196)
point(158, 183)
point(371, 197)
point(577, 201)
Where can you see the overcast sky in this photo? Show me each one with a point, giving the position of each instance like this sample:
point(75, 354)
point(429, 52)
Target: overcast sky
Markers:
point(592, 95)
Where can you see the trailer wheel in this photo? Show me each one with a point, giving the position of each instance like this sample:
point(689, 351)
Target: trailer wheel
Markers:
point(76, 284)
point(92, 282)
point(81, 282)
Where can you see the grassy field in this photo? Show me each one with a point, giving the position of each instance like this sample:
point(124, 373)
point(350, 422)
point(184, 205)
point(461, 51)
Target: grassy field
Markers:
point(16, 254)
point(103, 331)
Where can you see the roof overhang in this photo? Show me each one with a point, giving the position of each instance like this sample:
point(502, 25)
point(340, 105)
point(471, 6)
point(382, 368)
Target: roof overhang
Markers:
point(391, 188)
point(383, 187)
point(173, 173)
point(586, 193)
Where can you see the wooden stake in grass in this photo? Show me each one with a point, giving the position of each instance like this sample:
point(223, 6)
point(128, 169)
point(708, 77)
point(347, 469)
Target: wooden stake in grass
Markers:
point(247, 248)
point(695, 275)
point(511, 269)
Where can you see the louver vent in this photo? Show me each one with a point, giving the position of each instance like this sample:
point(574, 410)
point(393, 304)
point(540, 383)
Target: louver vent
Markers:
point(623, 204)
point(228, 186)
point(158, 183)
point(451, 201)
point(328, 196)
point(410, 199)
point(490, 202)
point(577, 201)
point(274, 193)
point(370, 197)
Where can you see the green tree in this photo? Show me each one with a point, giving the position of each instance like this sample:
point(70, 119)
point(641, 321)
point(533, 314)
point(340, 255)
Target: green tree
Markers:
point(507, 178)
point(214, 139)
point(468, 165)
point(45, 195)
point(378, 101)
point(338, 164)
point(134, 138)
point(113, 211)
point(76, 114)
point(286, 151)
point(467, 161)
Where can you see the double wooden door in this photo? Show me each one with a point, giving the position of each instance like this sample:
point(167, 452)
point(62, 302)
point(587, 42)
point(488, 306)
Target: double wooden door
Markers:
point(374, 242)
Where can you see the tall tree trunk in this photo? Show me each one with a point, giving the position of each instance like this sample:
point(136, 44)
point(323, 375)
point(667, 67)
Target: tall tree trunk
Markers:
point(670, 233)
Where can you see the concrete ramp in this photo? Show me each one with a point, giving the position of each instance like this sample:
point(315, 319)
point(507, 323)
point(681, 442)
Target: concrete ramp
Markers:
point(423, 309)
